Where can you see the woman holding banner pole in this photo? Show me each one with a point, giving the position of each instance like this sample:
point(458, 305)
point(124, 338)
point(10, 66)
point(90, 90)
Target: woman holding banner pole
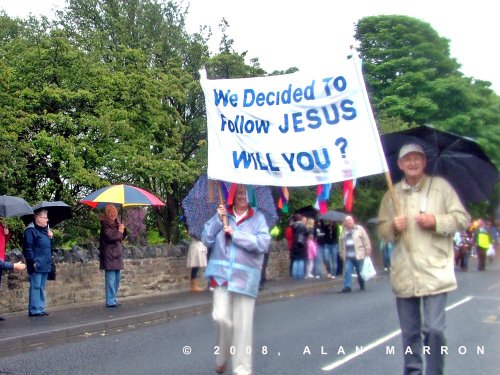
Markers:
point(234, 270)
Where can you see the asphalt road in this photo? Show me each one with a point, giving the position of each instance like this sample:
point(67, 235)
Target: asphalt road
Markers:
point(314, 334)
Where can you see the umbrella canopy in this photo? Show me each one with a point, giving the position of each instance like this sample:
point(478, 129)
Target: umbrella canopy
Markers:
point(198, 209)
point(57, 212)
point(14, 206)
point(121, 195)
point(308, 211)
point(460, 160)
point(332, 215)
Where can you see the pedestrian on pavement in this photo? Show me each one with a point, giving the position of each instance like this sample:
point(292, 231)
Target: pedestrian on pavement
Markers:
point(19, 266)
point(234, 270)
point(111, 253)
point(37, 250)
point(463, 253)
point(430, 212)
point(312, 250)
point(289, 241)
point(330, 248)
point(196, 259)
point(483, 243)
point(299, 247)
point(5, 236)
point(354, 246)
point(386, 247)
point(320, 242)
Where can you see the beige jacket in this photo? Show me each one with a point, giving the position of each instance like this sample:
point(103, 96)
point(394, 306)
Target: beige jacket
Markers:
point(362, 244)
point(197, 255)
point(427, 266)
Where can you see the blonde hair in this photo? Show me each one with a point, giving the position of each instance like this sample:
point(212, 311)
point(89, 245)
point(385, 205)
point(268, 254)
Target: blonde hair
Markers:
point(110, 209)
point(310, 222)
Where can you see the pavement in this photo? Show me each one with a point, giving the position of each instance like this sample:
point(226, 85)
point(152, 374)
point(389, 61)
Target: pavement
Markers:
point(21, 333)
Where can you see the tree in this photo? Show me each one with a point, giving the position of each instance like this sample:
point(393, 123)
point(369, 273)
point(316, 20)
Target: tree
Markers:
point(412, 80)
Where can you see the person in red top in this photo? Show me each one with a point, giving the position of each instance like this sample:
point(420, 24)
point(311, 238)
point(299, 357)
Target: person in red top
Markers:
point(5, 236)
point(289, 241)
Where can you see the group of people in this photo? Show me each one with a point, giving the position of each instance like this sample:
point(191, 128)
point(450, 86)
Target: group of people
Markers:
point(422, 262)
point(479, 240)
point(37, 251)
point(327, 241)
point(312, 246)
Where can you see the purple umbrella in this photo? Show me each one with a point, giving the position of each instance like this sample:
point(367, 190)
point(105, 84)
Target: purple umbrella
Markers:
point(198, 209)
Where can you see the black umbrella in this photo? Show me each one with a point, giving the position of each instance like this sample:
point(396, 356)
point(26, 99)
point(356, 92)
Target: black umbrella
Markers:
point(460, 160)
point(14, 206)
point(308, 211)
point(332, 215)
point(57, 212)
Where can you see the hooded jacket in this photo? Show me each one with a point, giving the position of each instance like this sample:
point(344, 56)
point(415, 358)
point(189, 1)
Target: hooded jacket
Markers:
point(237, 262)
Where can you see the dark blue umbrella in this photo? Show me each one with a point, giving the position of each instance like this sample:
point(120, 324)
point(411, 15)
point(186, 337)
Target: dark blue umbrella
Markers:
point(198, 209)
point(460, 160)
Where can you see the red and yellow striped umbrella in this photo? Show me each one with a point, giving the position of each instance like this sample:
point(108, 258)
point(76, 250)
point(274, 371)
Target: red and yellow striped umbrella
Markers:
point(123, 195)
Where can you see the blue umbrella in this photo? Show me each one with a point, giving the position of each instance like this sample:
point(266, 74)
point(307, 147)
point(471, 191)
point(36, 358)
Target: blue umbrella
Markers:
point(198, 209)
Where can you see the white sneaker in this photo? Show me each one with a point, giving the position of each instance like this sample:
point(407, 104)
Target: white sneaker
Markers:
point(318, 277)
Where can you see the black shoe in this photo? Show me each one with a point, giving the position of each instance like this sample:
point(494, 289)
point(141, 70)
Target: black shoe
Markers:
point(346, 290)
point(114, 305)
point(39, 314)
point(2, 319)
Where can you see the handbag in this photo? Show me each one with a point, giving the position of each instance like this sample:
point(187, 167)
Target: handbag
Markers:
point(52, 272)
point(368, 271)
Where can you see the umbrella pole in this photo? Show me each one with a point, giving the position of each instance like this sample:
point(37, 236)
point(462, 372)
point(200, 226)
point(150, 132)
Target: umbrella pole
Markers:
point(390, 185)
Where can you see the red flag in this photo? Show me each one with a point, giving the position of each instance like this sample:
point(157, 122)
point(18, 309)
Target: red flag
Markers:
point(348, 193)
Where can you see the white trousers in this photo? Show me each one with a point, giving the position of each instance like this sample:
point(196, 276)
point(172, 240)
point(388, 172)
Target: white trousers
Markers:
point(233, 314)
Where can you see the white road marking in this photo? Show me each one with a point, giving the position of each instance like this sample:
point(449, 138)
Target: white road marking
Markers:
point(494, 286)
point(380, 341)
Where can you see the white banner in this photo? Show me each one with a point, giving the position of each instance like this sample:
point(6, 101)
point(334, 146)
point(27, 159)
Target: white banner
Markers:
point(292, 130)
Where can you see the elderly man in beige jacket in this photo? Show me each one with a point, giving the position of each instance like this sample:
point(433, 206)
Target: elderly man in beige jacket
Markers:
point(430, 212)
point(355, 246)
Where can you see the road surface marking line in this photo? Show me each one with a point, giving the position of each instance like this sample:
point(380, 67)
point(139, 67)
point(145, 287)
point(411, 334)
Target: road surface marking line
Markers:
point(466, 299)
point(380, 341)
point(494, 286)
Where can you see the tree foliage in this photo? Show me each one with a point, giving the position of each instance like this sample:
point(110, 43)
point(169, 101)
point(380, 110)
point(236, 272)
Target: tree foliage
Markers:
point(109, 93)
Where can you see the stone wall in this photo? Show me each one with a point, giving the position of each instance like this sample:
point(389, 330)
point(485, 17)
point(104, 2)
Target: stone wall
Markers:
point(159, 270)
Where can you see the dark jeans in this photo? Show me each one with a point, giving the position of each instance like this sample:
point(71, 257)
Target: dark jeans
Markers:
point(350, 265)
point(481, 259)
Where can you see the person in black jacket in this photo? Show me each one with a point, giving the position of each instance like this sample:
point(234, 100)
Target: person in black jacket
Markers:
point(299, 246)
point(330, 247)
point(37, 250)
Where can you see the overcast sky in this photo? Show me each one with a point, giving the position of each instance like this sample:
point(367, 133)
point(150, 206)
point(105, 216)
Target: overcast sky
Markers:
point(312, 34)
